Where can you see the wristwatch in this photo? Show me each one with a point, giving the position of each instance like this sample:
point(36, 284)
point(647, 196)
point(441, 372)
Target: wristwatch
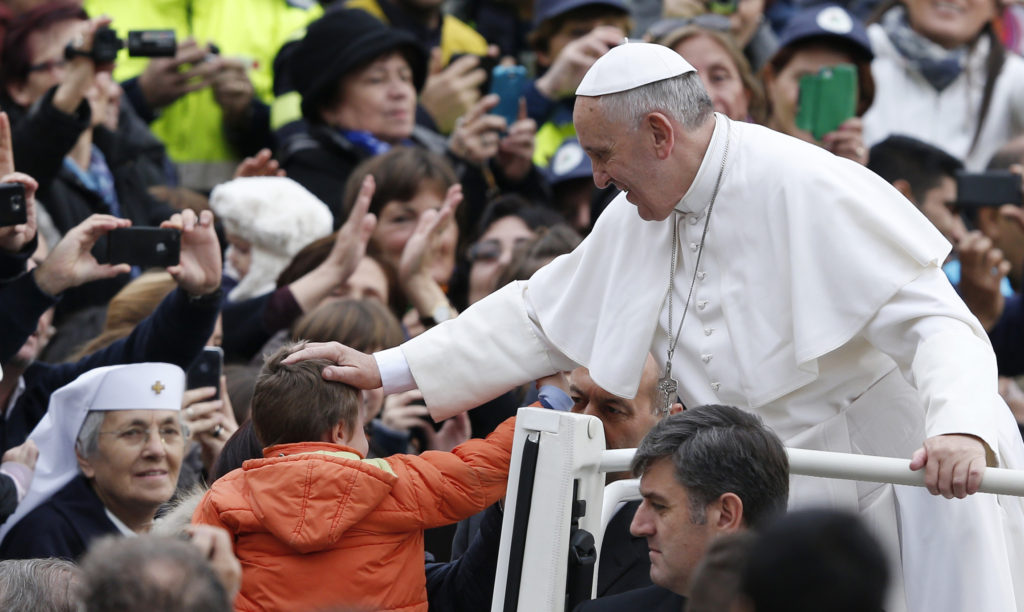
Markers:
point(442, 312)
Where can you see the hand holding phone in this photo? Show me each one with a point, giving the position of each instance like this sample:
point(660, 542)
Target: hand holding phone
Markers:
point(13, 205)
point(508, 82)
point(827, 99)
point(206, 370)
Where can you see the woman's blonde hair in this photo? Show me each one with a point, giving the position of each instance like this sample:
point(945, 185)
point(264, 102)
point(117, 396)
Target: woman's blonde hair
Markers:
point(133, 303)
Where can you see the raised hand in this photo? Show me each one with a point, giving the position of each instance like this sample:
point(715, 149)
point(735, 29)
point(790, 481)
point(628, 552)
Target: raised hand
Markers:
point(71, 263)
point(199, 270)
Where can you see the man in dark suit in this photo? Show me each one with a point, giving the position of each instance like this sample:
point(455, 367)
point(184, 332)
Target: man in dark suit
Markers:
point(624, 564)
point(703, 473)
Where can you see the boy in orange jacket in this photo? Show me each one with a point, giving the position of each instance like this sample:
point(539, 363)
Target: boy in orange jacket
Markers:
point(315, 524)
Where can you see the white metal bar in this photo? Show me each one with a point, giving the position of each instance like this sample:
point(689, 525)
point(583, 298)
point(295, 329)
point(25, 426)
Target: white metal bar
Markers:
point(846, 466)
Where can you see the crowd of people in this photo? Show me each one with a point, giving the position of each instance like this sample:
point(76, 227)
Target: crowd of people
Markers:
point(770, 223)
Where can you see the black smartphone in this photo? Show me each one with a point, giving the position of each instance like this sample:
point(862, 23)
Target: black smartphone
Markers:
point(487, 64)
point(13, 210)
point(206, 370)
point(991, 188)
point(146, 247)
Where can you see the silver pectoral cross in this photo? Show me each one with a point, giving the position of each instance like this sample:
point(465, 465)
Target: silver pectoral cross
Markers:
point(667, 388)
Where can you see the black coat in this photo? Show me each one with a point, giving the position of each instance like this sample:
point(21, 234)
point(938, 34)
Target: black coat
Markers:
point(648, 599)
point(625, 563)
point(62, 526)
point(321, 159)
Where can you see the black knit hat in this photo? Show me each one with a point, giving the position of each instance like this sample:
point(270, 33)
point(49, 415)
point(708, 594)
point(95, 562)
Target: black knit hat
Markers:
point(341, 42)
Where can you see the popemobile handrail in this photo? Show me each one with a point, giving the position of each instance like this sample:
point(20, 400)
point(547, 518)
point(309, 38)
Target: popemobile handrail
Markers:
point(847, 466)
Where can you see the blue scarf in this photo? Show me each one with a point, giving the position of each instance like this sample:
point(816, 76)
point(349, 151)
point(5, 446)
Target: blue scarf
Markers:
point(368, 143)
point(938, 65)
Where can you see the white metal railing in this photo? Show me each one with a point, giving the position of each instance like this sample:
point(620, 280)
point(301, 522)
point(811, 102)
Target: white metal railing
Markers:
point(846, 466)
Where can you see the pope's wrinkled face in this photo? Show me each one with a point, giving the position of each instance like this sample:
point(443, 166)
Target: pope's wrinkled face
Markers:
point(622, 154)
point(137, 459)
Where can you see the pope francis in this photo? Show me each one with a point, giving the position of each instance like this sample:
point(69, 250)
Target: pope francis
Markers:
point(765, 273)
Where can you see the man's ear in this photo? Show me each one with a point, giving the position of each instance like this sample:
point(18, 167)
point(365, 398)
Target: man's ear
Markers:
point(83, 464)
point(729, 515)
point(663, 135)
point(903, 187)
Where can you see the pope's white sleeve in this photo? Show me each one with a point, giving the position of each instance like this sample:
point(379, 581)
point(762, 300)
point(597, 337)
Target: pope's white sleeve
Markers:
point(395, 376)
point(494, 346)
point(942, 351)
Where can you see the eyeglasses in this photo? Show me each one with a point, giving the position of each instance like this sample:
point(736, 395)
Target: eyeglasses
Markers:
point(48, 66)
point(136, 436)
point(490, 250)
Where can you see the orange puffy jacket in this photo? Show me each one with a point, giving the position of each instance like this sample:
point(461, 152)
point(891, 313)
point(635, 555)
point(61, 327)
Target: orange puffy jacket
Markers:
point(314, 525)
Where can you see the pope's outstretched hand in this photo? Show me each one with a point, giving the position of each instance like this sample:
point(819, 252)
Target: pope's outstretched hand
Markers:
point(352, 367)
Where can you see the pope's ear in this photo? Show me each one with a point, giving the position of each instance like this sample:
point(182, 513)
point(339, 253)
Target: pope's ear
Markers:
point(663, 136)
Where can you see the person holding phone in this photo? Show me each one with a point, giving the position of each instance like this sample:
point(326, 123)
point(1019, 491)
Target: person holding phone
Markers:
point(814, 39)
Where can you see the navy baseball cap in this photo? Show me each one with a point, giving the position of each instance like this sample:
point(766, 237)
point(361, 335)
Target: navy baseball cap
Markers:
point(547, 9)
point(569, 162)
point(826, 21)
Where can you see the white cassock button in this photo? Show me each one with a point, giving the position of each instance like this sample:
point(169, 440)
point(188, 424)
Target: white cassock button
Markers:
point(715, 386)
point(693, 219)
point(705, 358)
point(708, 331)
point(701, 305)
point(702, 275)
point(694, 246)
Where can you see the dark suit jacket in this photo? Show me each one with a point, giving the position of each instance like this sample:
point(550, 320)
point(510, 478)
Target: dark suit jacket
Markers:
point(625, 564)
point(648, 599)
point(63, 526)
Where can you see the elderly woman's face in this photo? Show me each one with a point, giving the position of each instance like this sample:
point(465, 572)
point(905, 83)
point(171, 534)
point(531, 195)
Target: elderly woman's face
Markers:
point(380, 99)
point(137, 459)
point(783, 88)
point(950, 23)
point(720, 74)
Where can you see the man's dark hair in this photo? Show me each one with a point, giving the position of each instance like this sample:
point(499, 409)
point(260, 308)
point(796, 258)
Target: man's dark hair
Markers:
point(717, 450)
point(42, 585)
point(918, 163)
point(1009, 154)
point(149, 573)
point(293, 403)
point(814, 560)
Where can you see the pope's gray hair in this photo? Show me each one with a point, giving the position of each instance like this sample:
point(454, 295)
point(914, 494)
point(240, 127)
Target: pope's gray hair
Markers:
point(682, 98)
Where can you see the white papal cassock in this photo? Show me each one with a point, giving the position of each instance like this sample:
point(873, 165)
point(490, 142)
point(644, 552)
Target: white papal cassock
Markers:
point(819, 304)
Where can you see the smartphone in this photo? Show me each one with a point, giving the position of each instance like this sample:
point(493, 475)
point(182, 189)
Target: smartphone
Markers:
point(206, 370)
point(146, 247)
point(827, 99)
point(13, 210)
point(487, 64)
point(991, 188)
point(508, 82)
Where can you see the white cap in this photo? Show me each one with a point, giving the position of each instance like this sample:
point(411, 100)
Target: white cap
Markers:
point(278, 216)
point(631, 65)
point(138, 386)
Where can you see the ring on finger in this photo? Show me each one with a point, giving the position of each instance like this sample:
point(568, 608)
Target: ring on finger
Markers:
point(217, 430)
